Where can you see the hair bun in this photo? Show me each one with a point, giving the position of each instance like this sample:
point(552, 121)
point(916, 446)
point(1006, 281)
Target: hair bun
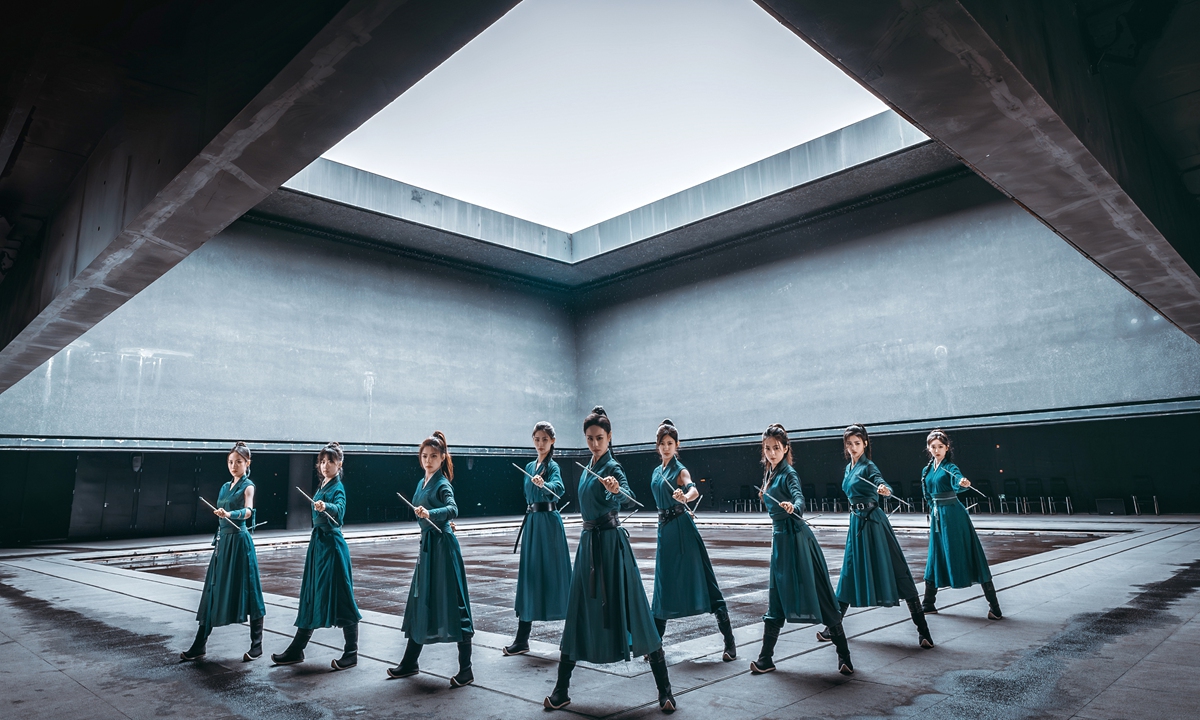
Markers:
point(667, 421)
point(599, 410)
point(335, 444)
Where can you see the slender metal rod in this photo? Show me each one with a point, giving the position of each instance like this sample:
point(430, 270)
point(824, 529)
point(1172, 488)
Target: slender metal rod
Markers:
point(214, 510)
point(598, 477)
point(556, 497)
point(323, 512)
point(431, 523)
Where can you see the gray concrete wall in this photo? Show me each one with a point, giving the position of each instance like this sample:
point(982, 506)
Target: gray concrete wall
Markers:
point(944, 303)
point(263, 335)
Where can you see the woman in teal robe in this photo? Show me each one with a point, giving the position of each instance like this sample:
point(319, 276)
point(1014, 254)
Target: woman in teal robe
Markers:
point(327, 587)
point(438, 608)
point(956, 558)
point(232, 591)
point(799, 589)
point(544, 575)
point(684, 581)
point(608, 617)
point(874, 570)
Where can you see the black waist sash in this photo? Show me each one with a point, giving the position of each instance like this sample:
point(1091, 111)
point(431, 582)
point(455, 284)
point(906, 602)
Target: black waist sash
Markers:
point(666, 516)
point(608, 521)
point(532, 508)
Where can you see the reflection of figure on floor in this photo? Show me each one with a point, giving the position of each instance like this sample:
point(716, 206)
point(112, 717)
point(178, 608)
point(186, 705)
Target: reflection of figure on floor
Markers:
point(327, 587)
point(544, 575)
point(232, 591)
point(608, 617)
point(874, 571)
point(956, 557)
point(799, 589)
point(684, 581)
point(439, 608)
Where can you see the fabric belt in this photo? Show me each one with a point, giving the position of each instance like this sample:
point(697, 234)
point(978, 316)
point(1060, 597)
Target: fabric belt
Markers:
point(666, 516)
point(946, 497)
point(532, 508)
point(608, 521)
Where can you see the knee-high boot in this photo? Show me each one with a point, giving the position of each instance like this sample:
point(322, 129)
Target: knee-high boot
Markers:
point(349, 656)
point(661, 625)
point(520, 644)
point(465, 675)
point(989, 591)
point(559, 699)
point(199, 646)
point(838, 635)
point(824, 635)
point(295, 651)
point(928, 605)
point(765, 662)
point(726, 629)
point(256, 631)
point(408, 665)
point(658, 666)
point(918, 618)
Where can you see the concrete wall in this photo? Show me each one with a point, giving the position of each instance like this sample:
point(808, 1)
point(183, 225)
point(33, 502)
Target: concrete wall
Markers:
point(944, 303)
point(263, 335)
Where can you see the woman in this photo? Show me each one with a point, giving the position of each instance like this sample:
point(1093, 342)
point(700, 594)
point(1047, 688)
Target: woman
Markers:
point(439, 608)
point(327, 588)
point(956, 556)
point(684, 582)
point(608, 617)
point(232, 591)
point(544, 575)
point(799, 590)
point(874, 571)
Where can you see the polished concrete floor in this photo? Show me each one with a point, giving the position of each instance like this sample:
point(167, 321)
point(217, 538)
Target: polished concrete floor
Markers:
point(1101, 622)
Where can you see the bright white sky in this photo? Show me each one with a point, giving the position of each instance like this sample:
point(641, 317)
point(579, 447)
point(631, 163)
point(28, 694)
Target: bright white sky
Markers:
point(570, 112)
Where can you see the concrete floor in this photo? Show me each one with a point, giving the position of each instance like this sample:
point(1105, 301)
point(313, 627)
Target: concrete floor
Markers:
point(1106, 628)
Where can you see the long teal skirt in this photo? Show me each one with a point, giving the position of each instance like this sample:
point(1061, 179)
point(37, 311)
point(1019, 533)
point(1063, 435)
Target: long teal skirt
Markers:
point(608, 617)
point(799, 590)
point(232, 591)
point(438, 608)
point(327, 588)
point(956, 556)
point(544, 576)
point(684, 581)
point(874, 571)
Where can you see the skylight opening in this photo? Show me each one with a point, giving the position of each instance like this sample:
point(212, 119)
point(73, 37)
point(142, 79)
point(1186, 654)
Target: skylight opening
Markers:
point(570, 113)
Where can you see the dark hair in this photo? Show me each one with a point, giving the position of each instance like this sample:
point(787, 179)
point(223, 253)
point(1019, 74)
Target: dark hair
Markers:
point(333, 451)
point(240, 448)
point(861, 432)
point(599, 418)
point(665, 428)
point(936, 434)
point(437, 441)
point(775, 430)
point(546, 427)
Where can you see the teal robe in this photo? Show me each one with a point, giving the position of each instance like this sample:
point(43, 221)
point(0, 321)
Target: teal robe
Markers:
point(799, 589)
point(544, 575)
point(438, 608)
point(327, 588)
point(608, 616)
point(232, 591)
point(874, 571)
point(684, 582)
point(956, 557)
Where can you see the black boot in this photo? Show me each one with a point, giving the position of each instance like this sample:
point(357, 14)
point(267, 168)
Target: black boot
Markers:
point(256, 631)
point(989, 591)
point(559, 698)
point(295, 652)
point(838, 635)
point(349, 656)
point(824, 635)
point(658, 666)
point(465, 676)
point(928, 605)
point(520, 645)
point(199, 645)
point(661, 625)
point(408, 666)
point(764, 663)
point(727, 632)
point(918, 618)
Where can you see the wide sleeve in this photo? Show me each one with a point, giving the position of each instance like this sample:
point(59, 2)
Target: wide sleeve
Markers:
point(554, 481)
point(956, 477)
point(449, 509)
point(335, 504)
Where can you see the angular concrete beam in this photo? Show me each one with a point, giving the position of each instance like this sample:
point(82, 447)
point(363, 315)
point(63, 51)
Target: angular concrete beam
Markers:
point(1005, 85)
point(365, 57)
